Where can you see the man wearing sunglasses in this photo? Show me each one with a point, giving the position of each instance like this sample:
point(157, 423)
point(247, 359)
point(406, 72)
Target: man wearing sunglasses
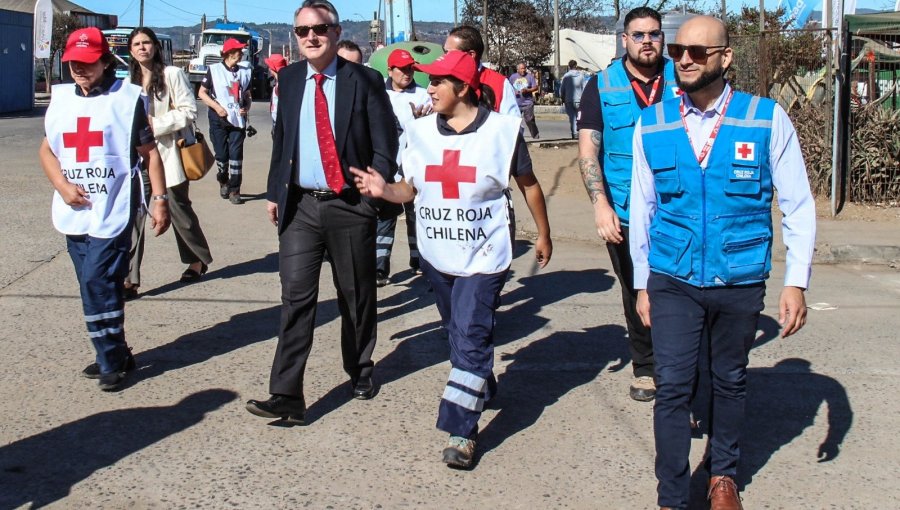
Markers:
point(332, 114)
point(610, 105)
point(705, 169)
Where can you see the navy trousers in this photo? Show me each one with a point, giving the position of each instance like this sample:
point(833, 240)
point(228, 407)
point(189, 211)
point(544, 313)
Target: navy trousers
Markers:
point(228, 145)
point(385, 235)
point(101, 266)
point(681, 315)
point(467, 305)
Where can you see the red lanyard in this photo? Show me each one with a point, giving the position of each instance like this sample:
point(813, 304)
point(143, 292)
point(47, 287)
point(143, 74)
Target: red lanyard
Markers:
point(715, 131)
point(640, 92)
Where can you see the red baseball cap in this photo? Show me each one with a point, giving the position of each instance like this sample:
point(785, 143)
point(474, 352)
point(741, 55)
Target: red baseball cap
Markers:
point(232, 44)
point(85, 45)
point(276, 62)
point(458, 64)
point(400, 58)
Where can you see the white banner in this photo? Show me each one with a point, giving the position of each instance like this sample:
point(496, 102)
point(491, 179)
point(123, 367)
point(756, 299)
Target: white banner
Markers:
point(43, 28)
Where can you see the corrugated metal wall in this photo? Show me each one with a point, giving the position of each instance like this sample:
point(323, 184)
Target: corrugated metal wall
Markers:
point(16, 61)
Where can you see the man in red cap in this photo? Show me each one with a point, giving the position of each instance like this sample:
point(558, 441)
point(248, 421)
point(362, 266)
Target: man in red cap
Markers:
point(95, 132)
point(409, 101)
point(276, 62)
point(226, 91)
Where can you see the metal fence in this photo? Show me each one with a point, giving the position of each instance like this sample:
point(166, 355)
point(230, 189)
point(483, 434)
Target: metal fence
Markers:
point(794, 67)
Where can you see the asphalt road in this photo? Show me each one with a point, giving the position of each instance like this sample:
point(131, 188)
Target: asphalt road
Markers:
point(821, 428)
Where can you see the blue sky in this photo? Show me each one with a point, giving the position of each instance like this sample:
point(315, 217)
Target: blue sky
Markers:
point(180, 12)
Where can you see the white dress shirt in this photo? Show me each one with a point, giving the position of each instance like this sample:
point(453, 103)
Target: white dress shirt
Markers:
point(788, 177)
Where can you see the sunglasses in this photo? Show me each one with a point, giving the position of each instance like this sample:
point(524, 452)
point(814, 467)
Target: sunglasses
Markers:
point(697, 52)
point(320, 29)
point(655, 36)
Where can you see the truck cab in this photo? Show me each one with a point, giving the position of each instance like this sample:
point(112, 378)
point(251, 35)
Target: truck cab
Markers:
point(208, 48)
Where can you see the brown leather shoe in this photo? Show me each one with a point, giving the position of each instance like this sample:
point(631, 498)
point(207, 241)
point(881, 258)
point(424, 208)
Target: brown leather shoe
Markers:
point(723, 494)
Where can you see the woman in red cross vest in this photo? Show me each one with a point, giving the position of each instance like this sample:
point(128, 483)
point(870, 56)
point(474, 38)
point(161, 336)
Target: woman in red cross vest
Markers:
point(457, 167)
point(96, 132)
point(226, 91)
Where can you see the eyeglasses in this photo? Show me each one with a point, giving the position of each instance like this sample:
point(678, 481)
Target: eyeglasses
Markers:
point(655, 36)
point(320, 29)
point(697, 52)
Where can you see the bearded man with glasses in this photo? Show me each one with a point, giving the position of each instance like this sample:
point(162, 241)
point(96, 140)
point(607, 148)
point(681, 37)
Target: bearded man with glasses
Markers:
point(705, 169)
point(610, 106)
point(315, 207)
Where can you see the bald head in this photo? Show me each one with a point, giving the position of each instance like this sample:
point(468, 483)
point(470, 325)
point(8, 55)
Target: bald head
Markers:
point(704, 30)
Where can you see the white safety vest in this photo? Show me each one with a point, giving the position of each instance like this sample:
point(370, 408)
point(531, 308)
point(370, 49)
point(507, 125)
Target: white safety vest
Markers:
point(91, 138)
point(229, 88)
point(400, 104)
point(462, 181)
point(273, 104)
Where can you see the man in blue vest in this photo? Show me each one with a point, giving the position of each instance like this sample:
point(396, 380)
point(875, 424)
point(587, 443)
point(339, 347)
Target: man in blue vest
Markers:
point(705, 167)
point(610, 106)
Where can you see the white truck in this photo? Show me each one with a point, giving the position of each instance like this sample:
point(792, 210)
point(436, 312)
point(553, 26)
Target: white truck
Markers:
point(208, 51)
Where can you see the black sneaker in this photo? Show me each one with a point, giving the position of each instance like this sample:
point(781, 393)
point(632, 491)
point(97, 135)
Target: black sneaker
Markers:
point(92, 371)
point(381, 279)
point(223, 190)
point(235, 198)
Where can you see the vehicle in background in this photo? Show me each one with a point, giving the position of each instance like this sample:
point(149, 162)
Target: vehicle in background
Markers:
point(118, 45)
point(208, 50)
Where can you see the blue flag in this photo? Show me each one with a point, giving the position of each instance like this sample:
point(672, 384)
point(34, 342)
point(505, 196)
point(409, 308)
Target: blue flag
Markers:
point(796, 12)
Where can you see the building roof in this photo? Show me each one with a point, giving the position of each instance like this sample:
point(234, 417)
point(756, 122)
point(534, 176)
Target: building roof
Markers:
point(28, 6)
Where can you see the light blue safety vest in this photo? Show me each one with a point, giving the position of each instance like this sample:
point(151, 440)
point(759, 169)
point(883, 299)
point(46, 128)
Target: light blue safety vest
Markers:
point(620, 109)
point(712, 227)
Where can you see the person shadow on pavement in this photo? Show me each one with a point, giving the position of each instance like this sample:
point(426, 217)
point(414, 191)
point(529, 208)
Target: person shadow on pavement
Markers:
point(782, 402)
point(42, 469)
point(266, 264)
point(426, 345)
point(544, 371)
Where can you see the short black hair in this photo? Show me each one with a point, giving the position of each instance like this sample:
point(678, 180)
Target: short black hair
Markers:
point(469, 39)
point(573, 64)
point(642, 12)
point(347, 44)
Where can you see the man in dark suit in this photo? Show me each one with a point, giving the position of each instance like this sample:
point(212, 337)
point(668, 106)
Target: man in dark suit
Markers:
point(332, 114)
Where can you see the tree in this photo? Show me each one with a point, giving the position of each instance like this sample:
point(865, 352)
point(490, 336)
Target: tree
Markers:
point(516, 32)
point(63, 25)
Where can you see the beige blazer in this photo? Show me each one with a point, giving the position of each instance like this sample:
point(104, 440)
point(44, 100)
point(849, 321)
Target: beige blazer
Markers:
point(167, 122)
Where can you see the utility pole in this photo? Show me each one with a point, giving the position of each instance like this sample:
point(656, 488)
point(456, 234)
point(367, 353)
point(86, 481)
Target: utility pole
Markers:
point(455, 12)
point(484, 32)
point(141, 22)
point(225, 2)
point(556, 39)
point(724, 12)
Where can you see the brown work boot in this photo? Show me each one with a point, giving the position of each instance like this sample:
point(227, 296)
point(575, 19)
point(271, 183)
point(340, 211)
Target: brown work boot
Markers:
point(723, 494)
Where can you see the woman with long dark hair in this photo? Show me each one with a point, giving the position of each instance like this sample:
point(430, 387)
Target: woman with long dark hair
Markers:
point(171, 109)
point(457, 167)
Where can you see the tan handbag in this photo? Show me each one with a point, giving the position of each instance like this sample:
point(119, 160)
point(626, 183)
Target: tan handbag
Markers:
point(196, 158)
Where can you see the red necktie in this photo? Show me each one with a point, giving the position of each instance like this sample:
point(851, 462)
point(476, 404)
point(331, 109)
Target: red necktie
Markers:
point(331, 164)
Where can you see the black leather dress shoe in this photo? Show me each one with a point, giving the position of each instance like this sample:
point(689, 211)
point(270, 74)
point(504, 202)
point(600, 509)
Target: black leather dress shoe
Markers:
point(363, 389)
point(291, 409)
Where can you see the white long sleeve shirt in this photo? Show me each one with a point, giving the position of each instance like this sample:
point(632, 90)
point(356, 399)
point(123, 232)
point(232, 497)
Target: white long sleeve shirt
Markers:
point(788, 177)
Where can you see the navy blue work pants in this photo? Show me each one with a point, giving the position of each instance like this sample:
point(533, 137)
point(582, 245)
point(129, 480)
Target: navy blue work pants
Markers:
point(467, 305)
point(101, 266)
point(681, 315)
point(228, 145)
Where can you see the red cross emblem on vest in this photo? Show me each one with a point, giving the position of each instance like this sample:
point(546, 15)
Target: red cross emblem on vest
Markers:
point(450, 174)
point(745, 151)
point(83, 139)
point(234, 90)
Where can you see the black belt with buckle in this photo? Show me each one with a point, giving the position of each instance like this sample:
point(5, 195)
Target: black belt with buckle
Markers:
point(320, 195)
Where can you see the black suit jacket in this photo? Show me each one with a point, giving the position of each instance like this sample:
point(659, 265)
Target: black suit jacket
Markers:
point(364, 129)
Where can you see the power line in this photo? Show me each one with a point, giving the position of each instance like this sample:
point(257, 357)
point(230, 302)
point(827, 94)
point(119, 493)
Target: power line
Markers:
point(180, 9)
point(130, 5)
